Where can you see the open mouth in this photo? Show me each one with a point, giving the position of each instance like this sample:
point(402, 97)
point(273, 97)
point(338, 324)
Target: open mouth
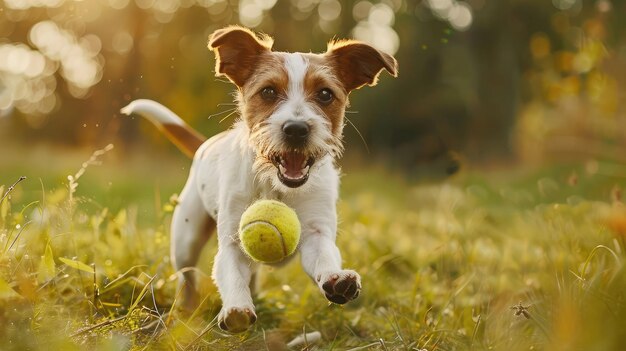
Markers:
point(293, 167)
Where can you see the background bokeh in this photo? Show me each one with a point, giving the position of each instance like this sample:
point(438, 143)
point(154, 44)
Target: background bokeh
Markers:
point(523, 249)
point(486, 81)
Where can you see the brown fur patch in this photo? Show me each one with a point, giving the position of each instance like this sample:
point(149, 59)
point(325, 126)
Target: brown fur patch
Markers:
point(319, 76)
point(186, 139)
point(270, 72)
point(247, 60)
point(237, 52)
point(358, 64)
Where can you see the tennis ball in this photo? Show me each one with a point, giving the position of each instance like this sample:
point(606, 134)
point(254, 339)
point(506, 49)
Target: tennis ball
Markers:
point(269, 231)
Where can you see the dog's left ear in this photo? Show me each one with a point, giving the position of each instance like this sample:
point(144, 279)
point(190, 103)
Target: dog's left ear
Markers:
point(358, 64)
point(237, 52)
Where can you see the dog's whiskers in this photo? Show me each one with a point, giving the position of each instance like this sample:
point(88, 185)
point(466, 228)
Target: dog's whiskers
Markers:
point(233, 111)
point(222, 112)
point(359, 133)
point(222, 80)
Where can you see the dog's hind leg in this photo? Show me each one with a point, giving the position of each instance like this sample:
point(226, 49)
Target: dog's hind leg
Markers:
point(191, 228)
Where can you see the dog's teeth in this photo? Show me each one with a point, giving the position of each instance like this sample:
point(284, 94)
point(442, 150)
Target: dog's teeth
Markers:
point(282, 168)
point(303, 163)
point(305, 170)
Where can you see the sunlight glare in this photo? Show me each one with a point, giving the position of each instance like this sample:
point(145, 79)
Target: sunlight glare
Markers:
point(441, 7)
point(381, 14)
point(361, 10)
point(329, 10)
point(460, 16)
point(122, 42)
point(26, 4)
point(250, 13)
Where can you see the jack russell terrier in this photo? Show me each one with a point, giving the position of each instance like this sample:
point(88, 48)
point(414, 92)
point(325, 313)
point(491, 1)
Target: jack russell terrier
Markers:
point(284, 147)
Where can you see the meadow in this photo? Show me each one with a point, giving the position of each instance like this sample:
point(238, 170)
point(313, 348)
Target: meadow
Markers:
point(492, 259)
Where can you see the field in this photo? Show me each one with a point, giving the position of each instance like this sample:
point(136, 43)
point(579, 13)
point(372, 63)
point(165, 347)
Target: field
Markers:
point(493, 259)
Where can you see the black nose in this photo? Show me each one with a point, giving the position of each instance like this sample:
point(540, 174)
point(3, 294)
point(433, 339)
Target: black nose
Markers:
point(296, 132)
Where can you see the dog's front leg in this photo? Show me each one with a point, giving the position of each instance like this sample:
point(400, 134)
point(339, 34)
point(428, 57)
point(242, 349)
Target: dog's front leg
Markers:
point(232, 272)
point(322, 261)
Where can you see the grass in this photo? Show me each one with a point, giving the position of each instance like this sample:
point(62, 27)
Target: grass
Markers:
point(500, 260)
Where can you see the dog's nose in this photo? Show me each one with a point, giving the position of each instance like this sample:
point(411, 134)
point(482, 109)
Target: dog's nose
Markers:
point(296, 132)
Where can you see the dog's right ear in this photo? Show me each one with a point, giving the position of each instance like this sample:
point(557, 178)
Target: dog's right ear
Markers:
point(237, 51)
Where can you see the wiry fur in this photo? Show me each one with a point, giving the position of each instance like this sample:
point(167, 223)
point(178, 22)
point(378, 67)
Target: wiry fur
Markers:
point(233, 169)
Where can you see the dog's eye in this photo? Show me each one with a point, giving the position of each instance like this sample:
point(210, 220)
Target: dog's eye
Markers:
point(268, 94)
point(325, 96)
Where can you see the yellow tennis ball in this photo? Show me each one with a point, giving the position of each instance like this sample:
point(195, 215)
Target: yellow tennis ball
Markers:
point(269, 231)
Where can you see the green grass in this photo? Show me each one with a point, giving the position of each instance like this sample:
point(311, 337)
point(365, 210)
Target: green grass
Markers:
point(443, 265)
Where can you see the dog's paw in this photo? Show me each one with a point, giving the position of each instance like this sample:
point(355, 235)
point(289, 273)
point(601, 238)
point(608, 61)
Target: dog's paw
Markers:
point(236, 319)
point(340, 287)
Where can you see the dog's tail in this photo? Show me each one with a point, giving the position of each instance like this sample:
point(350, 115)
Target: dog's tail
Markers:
point(187, 139)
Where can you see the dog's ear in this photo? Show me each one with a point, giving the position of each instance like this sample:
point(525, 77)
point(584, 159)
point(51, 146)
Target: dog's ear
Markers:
point(358, 64)
point(237, 51)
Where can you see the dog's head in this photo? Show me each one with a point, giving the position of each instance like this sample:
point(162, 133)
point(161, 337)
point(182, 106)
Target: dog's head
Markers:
point(293, 104)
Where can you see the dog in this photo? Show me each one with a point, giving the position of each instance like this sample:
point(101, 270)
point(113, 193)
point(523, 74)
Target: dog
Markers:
point(284, 146)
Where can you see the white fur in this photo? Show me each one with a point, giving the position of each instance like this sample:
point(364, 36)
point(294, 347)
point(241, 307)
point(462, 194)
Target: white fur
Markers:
point(224, 181)
point(296, 66)
point(296, 107)
point(220, 187)
point(153, 111)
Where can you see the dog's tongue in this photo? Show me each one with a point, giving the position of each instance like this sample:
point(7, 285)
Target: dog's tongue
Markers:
point(294, 164)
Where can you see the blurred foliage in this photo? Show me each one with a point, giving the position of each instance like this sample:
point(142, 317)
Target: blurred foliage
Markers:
point(487, 78)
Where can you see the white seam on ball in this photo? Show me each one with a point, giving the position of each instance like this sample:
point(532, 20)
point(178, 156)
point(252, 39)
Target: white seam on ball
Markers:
point(280, 235)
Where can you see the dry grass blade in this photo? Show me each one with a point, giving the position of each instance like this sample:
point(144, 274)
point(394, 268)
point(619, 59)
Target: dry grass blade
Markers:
point(17, 236)
point(141, 295)
point(209, 326)
point(117, 281)
point(93, 160)
point(10, 189)
point(99, 325)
